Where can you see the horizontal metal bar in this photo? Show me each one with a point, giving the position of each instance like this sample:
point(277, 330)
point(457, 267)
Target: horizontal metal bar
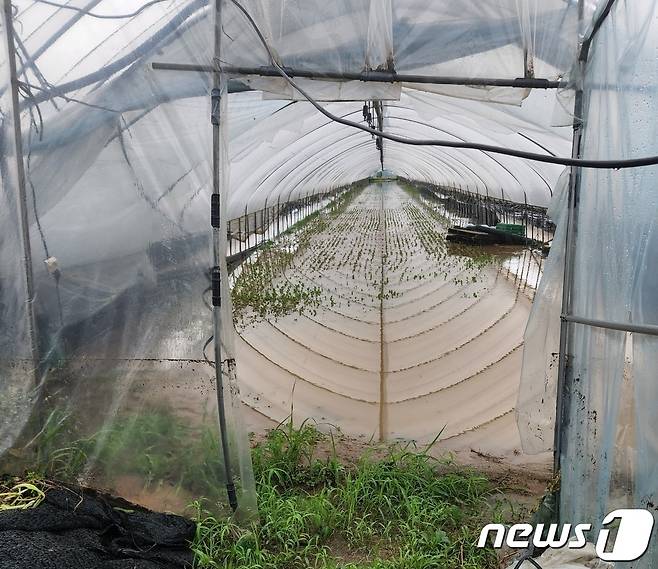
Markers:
point(367, 76)
point(649, 329)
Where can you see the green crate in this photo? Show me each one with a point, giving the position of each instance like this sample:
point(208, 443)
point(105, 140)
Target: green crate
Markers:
point(514, 228)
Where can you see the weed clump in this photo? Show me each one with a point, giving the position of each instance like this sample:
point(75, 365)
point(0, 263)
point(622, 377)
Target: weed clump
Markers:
point(154, 445)
point(392, 512)
point(21, 494)
point(400, 509)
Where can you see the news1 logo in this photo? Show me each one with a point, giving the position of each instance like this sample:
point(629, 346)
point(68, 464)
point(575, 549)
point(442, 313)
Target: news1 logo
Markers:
point(634, 527)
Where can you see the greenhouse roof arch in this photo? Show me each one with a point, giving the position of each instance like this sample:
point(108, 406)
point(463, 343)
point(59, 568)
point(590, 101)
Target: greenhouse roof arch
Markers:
point(111, 86)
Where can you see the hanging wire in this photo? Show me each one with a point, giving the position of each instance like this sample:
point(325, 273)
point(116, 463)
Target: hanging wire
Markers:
point(101, 16)
point(56, 273)
point(578, 162)
point(188, 15)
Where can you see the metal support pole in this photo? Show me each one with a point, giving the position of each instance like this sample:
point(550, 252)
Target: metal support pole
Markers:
point(219, 255)
point(246, 228)
point(648, 329)
point(525, 214)
point(22, 193)
point(268, 220)
point(564, 364)
point(265, 220)
point(240, 234)
point(563, 394)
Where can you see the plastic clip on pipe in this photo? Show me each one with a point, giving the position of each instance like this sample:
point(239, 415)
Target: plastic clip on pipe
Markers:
point(215, 105)
point(216, 283)
point(215, 219)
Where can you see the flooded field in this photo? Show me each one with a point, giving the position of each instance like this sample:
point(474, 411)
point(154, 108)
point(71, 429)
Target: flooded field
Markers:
point(401, 338)
point(359, 318)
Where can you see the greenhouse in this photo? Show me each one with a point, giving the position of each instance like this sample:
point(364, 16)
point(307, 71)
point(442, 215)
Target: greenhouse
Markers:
point(328, 284)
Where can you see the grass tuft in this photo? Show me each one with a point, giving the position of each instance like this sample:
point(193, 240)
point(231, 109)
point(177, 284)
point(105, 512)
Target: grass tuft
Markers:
point(405, 510)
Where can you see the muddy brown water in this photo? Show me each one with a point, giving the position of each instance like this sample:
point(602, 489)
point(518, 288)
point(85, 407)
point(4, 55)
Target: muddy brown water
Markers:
point(412, 340)
point(438, 352)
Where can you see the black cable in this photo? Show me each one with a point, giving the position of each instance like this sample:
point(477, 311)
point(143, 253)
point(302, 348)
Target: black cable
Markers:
point(154, 41)
point(587, 42)
point(579, 162)
point(209, 307)
point(205, 357)
point(529, 560)
point(56, 273)
point(205, 300)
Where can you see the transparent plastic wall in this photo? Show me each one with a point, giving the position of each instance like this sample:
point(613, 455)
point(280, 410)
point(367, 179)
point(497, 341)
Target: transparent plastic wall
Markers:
point(121, 255)
point(536, 404)
point(283, 149)
point(610, 448)
point(117, 159)
point(490, 38)
point(17, 375)
point(611, 451)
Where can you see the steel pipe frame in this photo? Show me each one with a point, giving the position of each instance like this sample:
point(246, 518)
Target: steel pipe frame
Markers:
point(219, 259)
point(366, 76)
point(22, 193)
point(648, 329)
point(565, 378)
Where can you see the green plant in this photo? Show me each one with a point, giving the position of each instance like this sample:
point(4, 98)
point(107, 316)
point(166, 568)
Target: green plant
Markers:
point(153, 444)
point(260, 292)
point(263, 290)
point(405, 510)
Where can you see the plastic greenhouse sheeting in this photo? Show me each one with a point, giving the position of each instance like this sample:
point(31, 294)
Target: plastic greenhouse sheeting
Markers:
point(609, 458)
point(612, 441)
point(536, 407)
point(117, 157)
